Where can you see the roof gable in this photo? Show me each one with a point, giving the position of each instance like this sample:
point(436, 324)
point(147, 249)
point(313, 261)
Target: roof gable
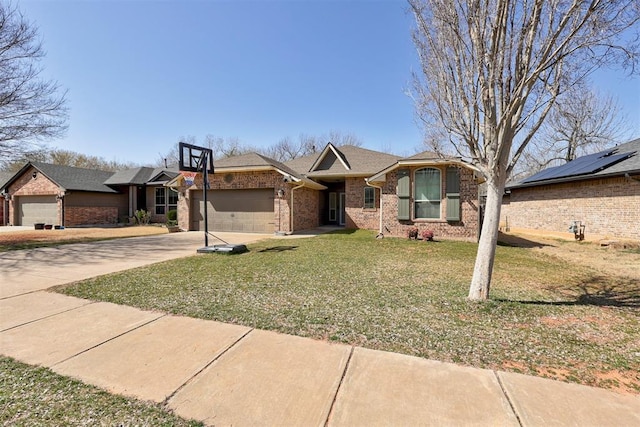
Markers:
point(330, 159)
point(346, 160)
point(72, 178)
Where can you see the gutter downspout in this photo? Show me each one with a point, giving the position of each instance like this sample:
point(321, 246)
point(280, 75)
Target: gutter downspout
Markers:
point(379, 188)
point(291, 208)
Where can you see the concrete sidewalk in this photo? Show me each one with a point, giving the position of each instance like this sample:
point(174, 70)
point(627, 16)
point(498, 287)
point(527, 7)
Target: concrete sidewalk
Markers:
point(233, 375)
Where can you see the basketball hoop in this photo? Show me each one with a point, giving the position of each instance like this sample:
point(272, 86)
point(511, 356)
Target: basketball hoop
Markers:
point(189, 177)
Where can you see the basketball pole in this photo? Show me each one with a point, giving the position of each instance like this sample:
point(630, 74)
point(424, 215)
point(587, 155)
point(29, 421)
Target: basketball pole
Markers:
point(205, 183)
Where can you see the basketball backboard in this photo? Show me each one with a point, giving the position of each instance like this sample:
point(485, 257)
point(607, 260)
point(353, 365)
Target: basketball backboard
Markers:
point(192, 156)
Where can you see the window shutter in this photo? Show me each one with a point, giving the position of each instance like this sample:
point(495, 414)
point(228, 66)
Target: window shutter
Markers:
point(453, 194)
point(404, 194)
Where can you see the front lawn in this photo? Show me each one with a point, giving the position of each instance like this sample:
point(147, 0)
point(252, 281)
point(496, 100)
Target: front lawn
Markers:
point(546, 317)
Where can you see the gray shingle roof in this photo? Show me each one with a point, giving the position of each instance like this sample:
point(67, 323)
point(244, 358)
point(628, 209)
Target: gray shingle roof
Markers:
point(138, 176)
point(255, 160)
point(77, 179)
point(5, 177)
point(361, 162)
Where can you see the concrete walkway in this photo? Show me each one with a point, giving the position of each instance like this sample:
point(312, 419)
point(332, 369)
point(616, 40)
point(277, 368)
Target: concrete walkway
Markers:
point(233, 375)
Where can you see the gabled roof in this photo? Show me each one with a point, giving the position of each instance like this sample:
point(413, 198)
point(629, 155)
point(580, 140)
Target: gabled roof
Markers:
point(257, 162)
point(140, 176)
point(425, 158)
point(69, 178)
point(619, 160)
point(346, 160)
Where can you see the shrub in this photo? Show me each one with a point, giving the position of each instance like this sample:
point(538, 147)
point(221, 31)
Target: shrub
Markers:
point(427, 235)
point(412, 233)
point(142, 217)
point(172, 217)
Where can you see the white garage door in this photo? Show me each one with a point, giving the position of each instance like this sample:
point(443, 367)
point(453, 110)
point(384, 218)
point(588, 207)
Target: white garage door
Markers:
point(35, 209)
point(246, 211)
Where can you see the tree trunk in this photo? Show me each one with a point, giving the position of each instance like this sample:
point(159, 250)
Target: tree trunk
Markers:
point(481, 280)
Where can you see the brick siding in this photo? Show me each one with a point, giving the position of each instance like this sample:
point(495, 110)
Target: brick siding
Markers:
point(610, 207)
point(74, 216)
point(465, 229)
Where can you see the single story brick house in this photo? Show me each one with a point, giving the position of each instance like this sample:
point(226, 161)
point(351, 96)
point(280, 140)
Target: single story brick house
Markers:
point(70, 196)
point(601, 191)
point(345, 186)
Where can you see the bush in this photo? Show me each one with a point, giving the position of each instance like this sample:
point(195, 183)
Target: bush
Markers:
point(172, 218)
point(142, 217)
point(412, 233)
point(427, 235)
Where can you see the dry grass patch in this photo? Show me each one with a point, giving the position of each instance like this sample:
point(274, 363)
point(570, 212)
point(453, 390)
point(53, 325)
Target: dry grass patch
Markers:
point(28, 239)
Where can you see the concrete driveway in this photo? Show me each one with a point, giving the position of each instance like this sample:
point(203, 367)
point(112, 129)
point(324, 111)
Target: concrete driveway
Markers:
point(36, 269)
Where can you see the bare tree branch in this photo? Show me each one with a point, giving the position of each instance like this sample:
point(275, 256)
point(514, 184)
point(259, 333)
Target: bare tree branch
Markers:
point(32, 110)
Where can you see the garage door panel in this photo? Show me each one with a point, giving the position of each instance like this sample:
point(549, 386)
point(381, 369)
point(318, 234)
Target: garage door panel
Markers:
point(249, 211)
point(37, 209)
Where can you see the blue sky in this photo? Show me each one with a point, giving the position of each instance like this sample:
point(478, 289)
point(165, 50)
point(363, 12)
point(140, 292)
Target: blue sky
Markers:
point(142, 74)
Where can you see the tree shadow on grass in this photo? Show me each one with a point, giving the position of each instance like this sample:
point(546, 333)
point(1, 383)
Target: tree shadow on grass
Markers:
point(597, 291)
point(279, 249)
point(510, 240)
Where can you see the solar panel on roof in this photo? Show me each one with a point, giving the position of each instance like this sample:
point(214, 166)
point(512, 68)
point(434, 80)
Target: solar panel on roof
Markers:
point(581, 166)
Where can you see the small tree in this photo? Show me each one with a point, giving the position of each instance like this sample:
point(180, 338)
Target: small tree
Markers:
point(31, 109)
point(492, 71)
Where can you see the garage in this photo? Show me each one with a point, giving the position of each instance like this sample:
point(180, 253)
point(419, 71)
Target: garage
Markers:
point(245, 211)
point(37, 209)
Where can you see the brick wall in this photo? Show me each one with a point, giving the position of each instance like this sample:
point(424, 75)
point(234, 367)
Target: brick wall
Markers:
point(306, 201)
point(356, 215)
point(466, 228)
point(84, 215)
point(609, 207)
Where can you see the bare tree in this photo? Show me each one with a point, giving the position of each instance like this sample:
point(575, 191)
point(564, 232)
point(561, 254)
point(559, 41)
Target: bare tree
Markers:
point(286, 149)
point(31, 109)
point(581, 122)
point(492, 70)
point(67, 158)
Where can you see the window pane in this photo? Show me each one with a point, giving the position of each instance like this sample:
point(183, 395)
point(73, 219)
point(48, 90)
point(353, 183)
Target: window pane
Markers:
point(173, 197)
point(427, 209)
point(369, 197)
point(427, 184)
point(160, 199)
point(159, 209)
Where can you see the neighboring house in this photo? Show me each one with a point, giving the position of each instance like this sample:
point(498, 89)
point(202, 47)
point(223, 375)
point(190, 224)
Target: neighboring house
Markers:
point(4, 202)
point(146, 190)
point(345, 186)
point(70, 196)
point(600, 190)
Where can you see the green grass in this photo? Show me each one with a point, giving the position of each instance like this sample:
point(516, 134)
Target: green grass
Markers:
point(545, 318)
point(33, 396)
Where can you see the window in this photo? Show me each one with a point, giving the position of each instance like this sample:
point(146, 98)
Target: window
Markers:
point(427, 190)
point(369, 198)
point(173, 199)
point(160, 201)
point(166, 199)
